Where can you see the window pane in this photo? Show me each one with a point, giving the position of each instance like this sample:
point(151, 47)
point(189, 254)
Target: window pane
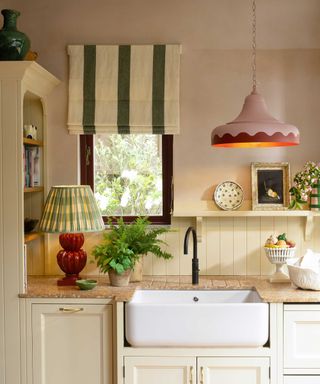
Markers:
point(128, 174)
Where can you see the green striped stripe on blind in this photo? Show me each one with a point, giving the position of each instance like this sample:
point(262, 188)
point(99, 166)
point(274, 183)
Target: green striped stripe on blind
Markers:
point(124, 89)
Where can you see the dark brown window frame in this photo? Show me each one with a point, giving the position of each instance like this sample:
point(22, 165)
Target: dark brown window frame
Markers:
point(87, 176)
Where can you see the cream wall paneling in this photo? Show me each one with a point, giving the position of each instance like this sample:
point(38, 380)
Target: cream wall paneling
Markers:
point(16, 80)
point(232, 245)
point(199, 215)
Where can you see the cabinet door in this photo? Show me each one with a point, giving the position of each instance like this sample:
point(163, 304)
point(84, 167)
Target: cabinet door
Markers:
point(301, 380)
point(72, 344)
point(302, 337)
point(160, 370)
point(233, 370)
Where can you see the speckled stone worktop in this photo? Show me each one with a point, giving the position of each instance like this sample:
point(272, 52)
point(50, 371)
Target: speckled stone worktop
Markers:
point(46, 287)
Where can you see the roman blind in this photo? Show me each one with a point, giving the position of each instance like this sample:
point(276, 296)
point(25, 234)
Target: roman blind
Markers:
point(124, 89)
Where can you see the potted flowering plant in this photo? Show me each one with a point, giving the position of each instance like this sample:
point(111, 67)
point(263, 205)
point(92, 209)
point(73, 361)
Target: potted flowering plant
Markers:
point(304, 181)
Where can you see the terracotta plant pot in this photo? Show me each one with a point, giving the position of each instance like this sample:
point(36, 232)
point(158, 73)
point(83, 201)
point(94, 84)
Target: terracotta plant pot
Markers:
point(136, 274)
point(119, 280)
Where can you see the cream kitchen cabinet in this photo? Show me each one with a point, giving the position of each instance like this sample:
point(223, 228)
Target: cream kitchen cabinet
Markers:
point(24, 90)
point(192, 370)
point(233, 370)
point(301, 380)
point(160, 370)
point(71, 343)
point(302, 338)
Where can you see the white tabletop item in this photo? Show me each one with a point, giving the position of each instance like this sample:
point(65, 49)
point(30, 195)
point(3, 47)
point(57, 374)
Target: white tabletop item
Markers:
point(228, 195)
point(304, 272)
point(279, 257)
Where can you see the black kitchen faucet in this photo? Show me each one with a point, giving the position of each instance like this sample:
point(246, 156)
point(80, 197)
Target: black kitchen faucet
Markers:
point(195, 261)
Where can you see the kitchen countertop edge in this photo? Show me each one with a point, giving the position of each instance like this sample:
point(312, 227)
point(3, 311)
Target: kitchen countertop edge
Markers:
point(46, 287)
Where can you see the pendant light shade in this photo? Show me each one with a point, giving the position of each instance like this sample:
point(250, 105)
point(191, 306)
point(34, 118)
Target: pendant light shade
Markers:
point(255, 127)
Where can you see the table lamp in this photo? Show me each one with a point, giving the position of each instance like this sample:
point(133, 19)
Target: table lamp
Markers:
point(71, 210)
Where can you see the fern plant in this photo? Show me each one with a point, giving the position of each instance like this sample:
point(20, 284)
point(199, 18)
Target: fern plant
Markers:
point(124, 244)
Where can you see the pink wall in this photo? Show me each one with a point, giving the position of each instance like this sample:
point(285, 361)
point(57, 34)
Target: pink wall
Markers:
point(215, 74)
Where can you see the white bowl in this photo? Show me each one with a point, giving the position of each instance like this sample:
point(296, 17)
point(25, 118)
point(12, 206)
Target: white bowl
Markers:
point(279, 255)
point(303, 277)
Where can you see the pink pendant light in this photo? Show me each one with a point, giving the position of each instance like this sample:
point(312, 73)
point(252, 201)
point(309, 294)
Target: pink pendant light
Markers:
point(254, 127)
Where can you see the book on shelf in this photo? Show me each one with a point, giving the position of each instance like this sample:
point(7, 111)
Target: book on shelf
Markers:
point(25, 274)
point(32, 172)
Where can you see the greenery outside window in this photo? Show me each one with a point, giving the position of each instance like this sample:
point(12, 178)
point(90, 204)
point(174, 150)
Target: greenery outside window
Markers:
point(131, 175)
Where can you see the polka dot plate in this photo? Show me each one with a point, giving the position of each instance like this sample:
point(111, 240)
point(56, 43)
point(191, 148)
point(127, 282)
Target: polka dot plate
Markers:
point(228, 195)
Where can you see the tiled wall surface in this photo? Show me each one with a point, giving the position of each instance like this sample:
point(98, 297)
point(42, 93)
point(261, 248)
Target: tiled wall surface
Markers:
point(229, 246)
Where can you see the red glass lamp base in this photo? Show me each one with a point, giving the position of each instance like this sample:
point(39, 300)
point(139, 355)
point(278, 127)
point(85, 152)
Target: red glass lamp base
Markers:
point(72, 258)
point(68, 280)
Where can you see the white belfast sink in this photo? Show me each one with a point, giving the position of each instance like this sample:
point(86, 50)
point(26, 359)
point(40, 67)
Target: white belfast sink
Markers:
point(194, 318)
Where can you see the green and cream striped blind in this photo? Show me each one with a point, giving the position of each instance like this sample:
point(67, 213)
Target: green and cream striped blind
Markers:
point(124, 89)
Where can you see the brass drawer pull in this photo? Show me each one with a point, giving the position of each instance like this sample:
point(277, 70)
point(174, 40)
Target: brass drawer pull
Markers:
point(201, 376)
point(70, 310)
point(191, 375)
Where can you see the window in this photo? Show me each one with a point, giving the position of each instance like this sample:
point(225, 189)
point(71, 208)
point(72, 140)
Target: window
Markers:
point(131, 175)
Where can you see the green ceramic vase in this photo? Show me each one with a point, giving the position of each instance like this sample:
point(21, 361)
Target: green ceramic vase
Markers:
point(14, 45)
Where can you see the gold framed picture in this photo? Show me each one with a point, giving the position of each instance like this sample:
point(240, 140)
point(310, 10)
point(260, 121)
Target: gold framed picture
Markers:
point(270, 186)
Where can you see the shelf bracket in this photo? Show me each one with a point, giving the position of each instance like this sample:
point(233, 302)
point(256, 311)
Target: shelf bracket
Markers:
point(309, 227)
point(199, 228)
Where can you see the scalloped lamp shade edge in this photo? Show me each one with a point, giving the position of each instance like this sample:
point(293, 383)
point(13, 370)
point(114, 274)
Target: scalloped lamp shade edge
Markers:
point(254, 128)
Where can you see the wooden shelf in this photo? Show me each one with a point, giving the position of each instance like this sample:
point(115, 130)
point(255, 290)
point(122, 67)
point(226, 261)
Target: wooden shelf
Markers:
point(32, 143)
point(220, 213)
point(32, 236)
point(200, 214)
point(33, 189)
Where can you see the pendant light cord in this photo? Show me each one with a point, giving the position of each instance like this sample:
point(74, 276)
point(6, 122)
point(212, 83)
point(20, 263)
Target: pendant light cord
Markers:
point(254, 46)
point(254, 127)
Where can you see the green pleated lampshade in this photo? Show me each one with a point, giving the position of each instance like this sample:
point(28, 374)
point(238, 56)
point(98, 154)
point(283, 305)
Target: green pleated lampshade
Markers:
point(71, 209)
